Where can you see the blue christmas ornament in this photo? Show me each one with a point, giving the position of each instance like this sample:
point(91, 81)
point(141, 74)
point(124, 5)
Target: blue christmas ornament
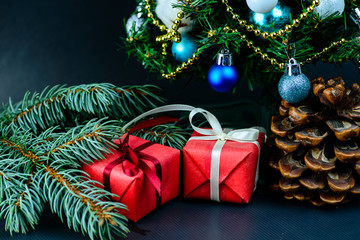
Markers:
point(222, 76)
point(273, 20)
point(183, 50)
point(294, 86)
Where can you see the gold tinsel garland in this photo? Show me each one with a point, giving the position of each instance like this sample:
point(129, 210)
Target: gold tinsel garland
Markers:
point(173, 34)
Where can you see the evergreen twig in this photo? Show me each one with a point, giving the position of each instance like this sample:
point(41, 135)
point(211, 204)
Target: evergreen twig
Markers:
point(46, 138)
point(52, 107)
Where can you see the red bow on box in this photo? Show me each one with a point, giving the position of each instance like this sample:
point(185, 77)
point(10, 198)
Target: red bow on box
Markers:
point(133, 160)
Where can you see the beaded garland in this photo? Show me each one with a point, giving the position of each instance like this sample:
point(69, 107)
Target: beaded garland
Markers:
point(173, 34)
point(273, 35)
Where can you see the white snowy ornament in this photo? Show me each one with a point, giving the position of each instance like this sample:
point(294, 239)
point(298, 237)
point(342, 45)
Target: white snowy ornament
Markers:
point(167, 14)
point(133, 24)
point(135, 21)
point(262, 6)
point(329, 7)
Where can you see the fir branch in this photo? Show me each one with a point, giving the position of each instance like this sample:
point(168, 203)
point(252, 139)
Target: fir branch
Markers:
point(78, 139)
point(48, 103)
point(61, 104)
point(40, 163)
point(22, 206)
point(82, 144)
point(134, 100)
point(91, 212)
point(72, 185)
point(22, 195)
point(26, 153)
point(11, 150)
point(166, 134)
point(20, 202)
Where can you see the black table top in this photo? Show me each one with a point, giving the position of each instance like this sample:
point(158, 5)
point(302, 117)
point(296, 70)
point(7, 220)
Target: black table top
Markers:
point(267, 216)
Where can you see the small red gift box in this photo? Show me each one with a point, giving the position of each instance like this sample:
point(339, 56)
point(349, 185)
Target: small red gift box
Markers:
point(236, 172)
point(143, 174)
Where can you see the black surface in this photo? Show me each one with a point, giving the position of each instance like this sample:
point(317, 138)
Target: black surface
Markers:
point(48, 42)
point(265, 217)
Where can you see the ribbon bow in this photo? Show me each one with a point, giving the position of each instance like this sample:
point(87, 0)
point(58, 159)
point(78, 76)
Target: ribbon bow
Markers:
point(132, 160)
point(215, 133)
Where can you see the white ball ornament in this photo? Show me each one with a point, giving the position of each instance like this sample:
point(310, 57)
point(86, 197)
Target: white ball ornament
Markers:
point(167, 14)
point(329, 7)
point(262, 6)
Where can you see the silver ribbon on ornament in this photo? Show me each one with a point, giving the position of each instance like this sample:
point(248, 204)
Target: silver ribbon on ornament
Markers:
point(216, 133)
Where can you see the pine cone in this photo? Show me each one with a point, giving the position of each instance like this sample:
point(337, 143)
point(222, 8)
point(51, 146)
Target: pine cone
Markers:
point(315, 146)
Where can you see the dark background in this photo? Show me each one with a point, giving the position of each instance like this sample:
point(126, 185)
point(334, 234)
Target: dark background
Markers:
point(49, 42)
point(72, 42)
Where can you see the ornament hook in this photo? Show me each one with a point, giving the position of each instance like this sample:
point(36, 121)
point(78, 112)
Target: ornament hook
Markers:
point(292, 68)
point(292, 61)
point(224, 58)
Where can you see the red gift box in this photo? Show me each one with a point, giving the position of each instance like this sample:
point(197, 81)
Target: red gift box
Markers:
point(134, 181)
point(237, 170)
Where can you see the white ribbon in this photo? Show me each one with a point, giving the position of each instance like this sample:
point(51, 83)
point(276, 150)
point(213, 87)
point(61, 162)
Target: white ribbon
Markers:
point(215, 133)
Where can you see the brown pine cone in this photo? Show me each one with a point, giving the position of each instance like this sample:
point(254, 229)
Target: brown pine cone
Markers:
point(316, 144)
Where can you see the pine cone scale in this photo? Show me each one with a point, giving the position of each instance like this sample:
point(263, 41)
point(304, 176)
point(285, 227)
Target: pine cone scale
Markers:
point(319, 141)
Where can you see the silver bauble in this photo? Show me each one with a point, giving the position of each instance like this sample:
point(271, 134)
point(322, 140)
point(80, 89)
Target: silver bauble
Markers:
point(133, 25)
point(135, 21)
point(294, 86)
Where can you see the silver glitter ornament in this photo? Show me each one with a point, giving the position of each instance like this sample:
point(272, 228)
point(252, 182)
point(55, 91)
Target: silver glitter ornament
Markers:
point(293, 86)
point(329, 7)
point(135, 22)
point(355, 16)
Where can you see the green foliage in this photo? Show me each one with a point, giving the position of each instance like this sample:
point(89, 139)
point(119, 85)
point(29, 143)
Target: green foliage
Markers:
point(71, 207)
point(311, 37)
point(166, 134)
point(81, 144)
point(20, 203)
point(46, 138)
point(69, 106)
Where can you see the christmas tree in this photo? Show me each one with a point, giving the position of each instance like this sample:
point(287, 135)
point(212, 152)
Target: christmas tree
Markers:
point(181, 39)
